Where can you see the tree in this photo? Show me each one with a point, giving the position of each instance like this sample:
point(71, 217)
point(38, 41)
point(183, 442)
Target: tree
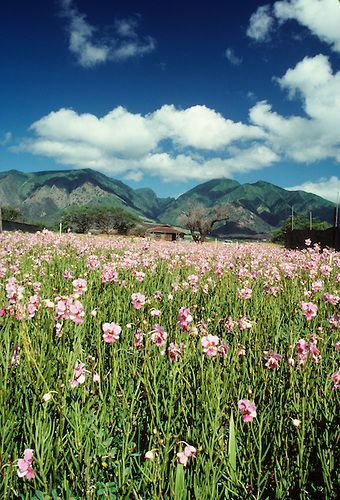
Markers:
point(78, 219)
point(10, 213)
point(300, 222)
point(200, 220)
point(118, 218)
point(84, 218)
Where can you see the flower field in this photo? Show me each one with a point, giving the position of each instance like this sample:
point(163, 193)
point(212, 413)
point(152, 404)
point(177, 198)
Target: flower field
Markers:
point(136, 369)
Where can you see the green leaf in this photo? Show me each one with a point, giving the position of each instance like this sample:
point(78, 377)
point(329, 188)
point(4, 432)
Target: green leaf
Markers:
point(180, 484)
point(232, 446)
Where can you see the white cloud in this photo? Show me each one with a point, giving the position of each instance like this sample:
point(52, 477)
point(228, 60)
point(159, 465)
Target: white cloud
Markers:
point(91, 49)
point(198, 142)
point(171, 143)
point(321, 17)
point(305, 138)
point(232, 57)
point(6, 138)
point(260, 24)
point(326, 188)
point(119, 132)
point(200, 127)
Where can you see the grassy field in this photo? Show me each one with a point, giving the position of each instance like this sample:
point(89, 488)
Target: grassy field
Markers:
point(142, 370)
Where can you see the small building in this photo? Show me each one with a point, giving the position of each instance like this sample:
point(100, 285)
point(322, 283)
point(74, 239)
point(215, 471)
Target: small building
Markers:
point(10, 225)
point(164, 232)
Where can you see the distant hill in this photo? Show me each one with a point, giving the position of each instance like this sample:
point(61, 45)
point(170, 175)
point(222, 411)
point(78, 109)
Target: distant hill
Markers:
point(41, 195)
point(264, 205)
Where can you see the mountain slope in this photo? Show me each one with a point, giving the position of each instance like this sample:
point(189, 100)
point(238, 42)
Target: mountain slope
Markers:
point(264, 205)
point(261, 206)
point(40, 195)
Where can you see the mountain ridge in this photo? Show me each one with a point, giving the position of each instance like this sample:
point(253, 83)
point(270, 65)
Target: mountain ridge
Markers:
point(262, 205)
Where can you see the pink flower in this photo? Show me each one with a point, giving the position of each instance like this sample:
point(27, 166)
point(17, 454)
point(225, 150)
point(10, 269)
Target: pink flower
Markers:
point(175, 351)
point(33, 305)
point(158, 295)
point(230, 324)
point(242, 352)
point(317, 285)
point(334, 321)
point(336, 379)
point(273, 360)
point(111, 332)
point(76, 311)
point(159, 335)
point(16, 357)
point(139, 276)
point(184, 319)
point(244, 323)
point(189, 450)
point(25, 465)
point(244, 293)
point(314, 352)
point(78, 375)
point(302, 351)
point(79, 286)
point(96, 377)
point(109, 275)
point(331, 299)
point(138, 300)
point(223, 349)
point(138, 338)
point(248, 410)
point(210, 344)
point(325, 270)
point(58, 329)
point(309, 309)
point(183, 456)
point(93, 262)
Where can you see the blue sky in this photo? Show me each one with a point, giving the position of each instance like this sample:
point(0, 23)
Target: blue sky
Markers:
point(168, 95)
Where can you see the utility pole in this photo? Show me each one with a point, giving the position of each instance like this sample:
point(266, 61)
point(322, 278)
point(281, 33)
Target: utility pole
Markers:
point(0, 220)
point(337, 210)
point(310, 221)
point(292, 217)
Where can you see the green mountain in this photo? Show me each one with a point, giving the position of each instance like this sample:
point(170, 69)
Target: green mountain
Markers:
point(263, 206)
point(41, 195)
point(255, 208)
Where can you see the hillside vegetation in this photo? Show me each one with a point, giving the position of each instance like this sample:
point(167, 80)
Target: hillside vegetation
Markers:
point(261, 206)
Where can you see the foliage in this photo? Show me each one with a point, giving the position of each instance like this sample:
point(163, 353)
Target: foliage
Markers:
point(299, 222)
point(82, 219)
point(90, 440)
point(10, 213)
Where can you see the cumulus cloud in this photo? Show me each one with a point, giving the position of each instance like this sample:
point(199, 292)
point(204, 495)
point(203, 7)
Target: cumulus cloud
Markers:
point(191, 143)
point(321, 17)
point(198, 142)
point(232, 57)
point(261, 24)
point(326, 188)
point(91, 49)
point(312, 137)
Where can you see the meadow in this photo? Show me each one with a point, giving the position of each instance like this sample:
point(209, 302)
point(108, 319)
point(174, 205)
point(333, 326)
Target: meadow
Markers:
point(154, 370)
